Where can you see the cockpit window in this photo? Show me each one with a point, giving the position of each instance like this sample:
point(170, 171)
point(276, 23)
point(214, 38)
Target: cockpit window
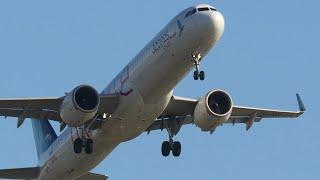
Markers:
point(203, 9)
point(191, 12)
point(213, 9)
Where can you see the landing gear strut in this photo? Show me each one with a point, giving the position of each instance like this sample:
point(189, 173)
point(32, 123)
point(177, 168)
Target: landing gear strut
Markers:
point(172, 127)
point(83, 142)
point(197, 73)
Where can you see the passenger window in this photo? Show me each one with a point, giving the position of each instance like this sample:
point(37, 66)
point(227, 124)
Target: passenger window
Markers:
point(203, 9)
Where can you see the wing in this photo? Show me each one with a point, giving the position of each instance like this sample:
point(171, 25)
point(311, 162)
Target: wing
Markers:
point(33, 173)
point(20, 173)
point(180, 106)
point(249, 115)
point(37, 108)
point(181, 110)
point(47, 108)
point(92, 176)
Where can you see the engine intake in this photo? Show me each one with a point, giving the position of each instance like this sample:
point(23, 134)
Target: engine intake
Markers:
point(80, 105)
point(219, 103)
point(212, 110)
point(86, 98)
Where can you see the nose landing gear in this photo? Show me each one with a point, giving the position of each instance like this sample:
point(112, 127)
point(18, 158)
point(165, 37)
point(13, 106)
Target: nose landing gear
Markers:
point(197, 73)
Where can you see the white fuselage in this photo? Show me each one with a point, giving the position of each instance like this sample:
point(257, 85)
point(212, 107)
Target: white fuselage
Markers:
point(145, 85)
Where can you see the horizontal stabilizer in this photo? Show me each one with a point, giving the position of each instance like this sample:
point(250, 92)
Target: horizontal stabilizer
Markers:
point(20, 173)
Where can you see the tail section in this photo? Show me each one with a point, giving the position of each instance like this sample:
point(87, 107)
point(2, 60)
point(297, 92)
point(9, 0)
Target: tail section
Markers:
point(44, 135)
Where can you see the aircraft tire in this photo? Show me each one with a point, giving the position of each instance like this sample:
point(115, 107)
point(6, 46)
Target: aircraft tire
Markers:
point(77, 145)
point(195, 75)
point(176, 149)
point(165, 148)
point(202, 75)
point(89, 146)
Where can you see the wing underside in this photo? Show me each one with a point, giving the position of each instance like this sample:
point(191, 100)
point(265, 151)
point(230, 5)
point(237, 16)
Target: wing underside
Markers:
point(20, 173)
point(181, 111)
point(92, 176)
point(47, 108)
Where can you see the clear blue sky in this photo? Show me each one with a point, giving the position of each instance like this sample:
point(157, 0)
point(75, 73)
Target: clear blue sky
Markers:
point(269, 52)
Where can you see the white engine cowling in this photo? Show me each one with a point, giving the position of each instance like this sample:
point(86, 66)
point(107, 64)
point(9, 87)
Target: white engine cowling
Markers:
point(212, 110)
point(79, 106)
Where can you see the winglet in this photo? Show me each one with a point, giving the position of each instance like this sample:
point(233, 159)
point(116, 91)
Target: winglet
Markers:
point(300, 103)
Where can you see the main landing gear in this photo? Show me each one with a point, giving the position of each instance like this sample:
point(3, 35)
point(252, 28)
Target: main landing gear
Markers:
point(83, 142)
point(197, 74)
point(172, 127)
point(174, 146)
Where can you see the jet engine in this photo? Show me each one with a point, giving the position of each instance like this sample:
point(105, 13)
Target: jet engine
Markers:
point(79, 106)
point(212, 110)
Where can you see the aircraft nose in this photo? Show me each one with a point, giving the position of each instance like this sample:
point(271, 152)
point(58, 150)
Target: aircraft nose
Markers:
point(215, 24)
point(218, 24)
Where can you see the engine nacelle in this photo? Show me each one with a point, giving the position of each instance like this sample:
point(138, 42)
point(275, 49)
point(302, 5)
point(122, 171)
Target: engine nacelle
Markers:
point(79, 106)
point(212, 110)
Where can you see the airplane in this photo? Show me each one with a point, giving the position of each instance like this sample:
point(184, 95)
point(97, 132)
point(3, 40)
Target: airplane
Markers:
point(139, 99)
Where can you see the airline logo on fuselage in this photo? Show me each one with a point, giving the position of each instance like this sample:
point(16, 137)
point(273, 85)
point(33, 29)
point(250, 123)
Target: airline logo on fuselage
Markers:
point(118, 84)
